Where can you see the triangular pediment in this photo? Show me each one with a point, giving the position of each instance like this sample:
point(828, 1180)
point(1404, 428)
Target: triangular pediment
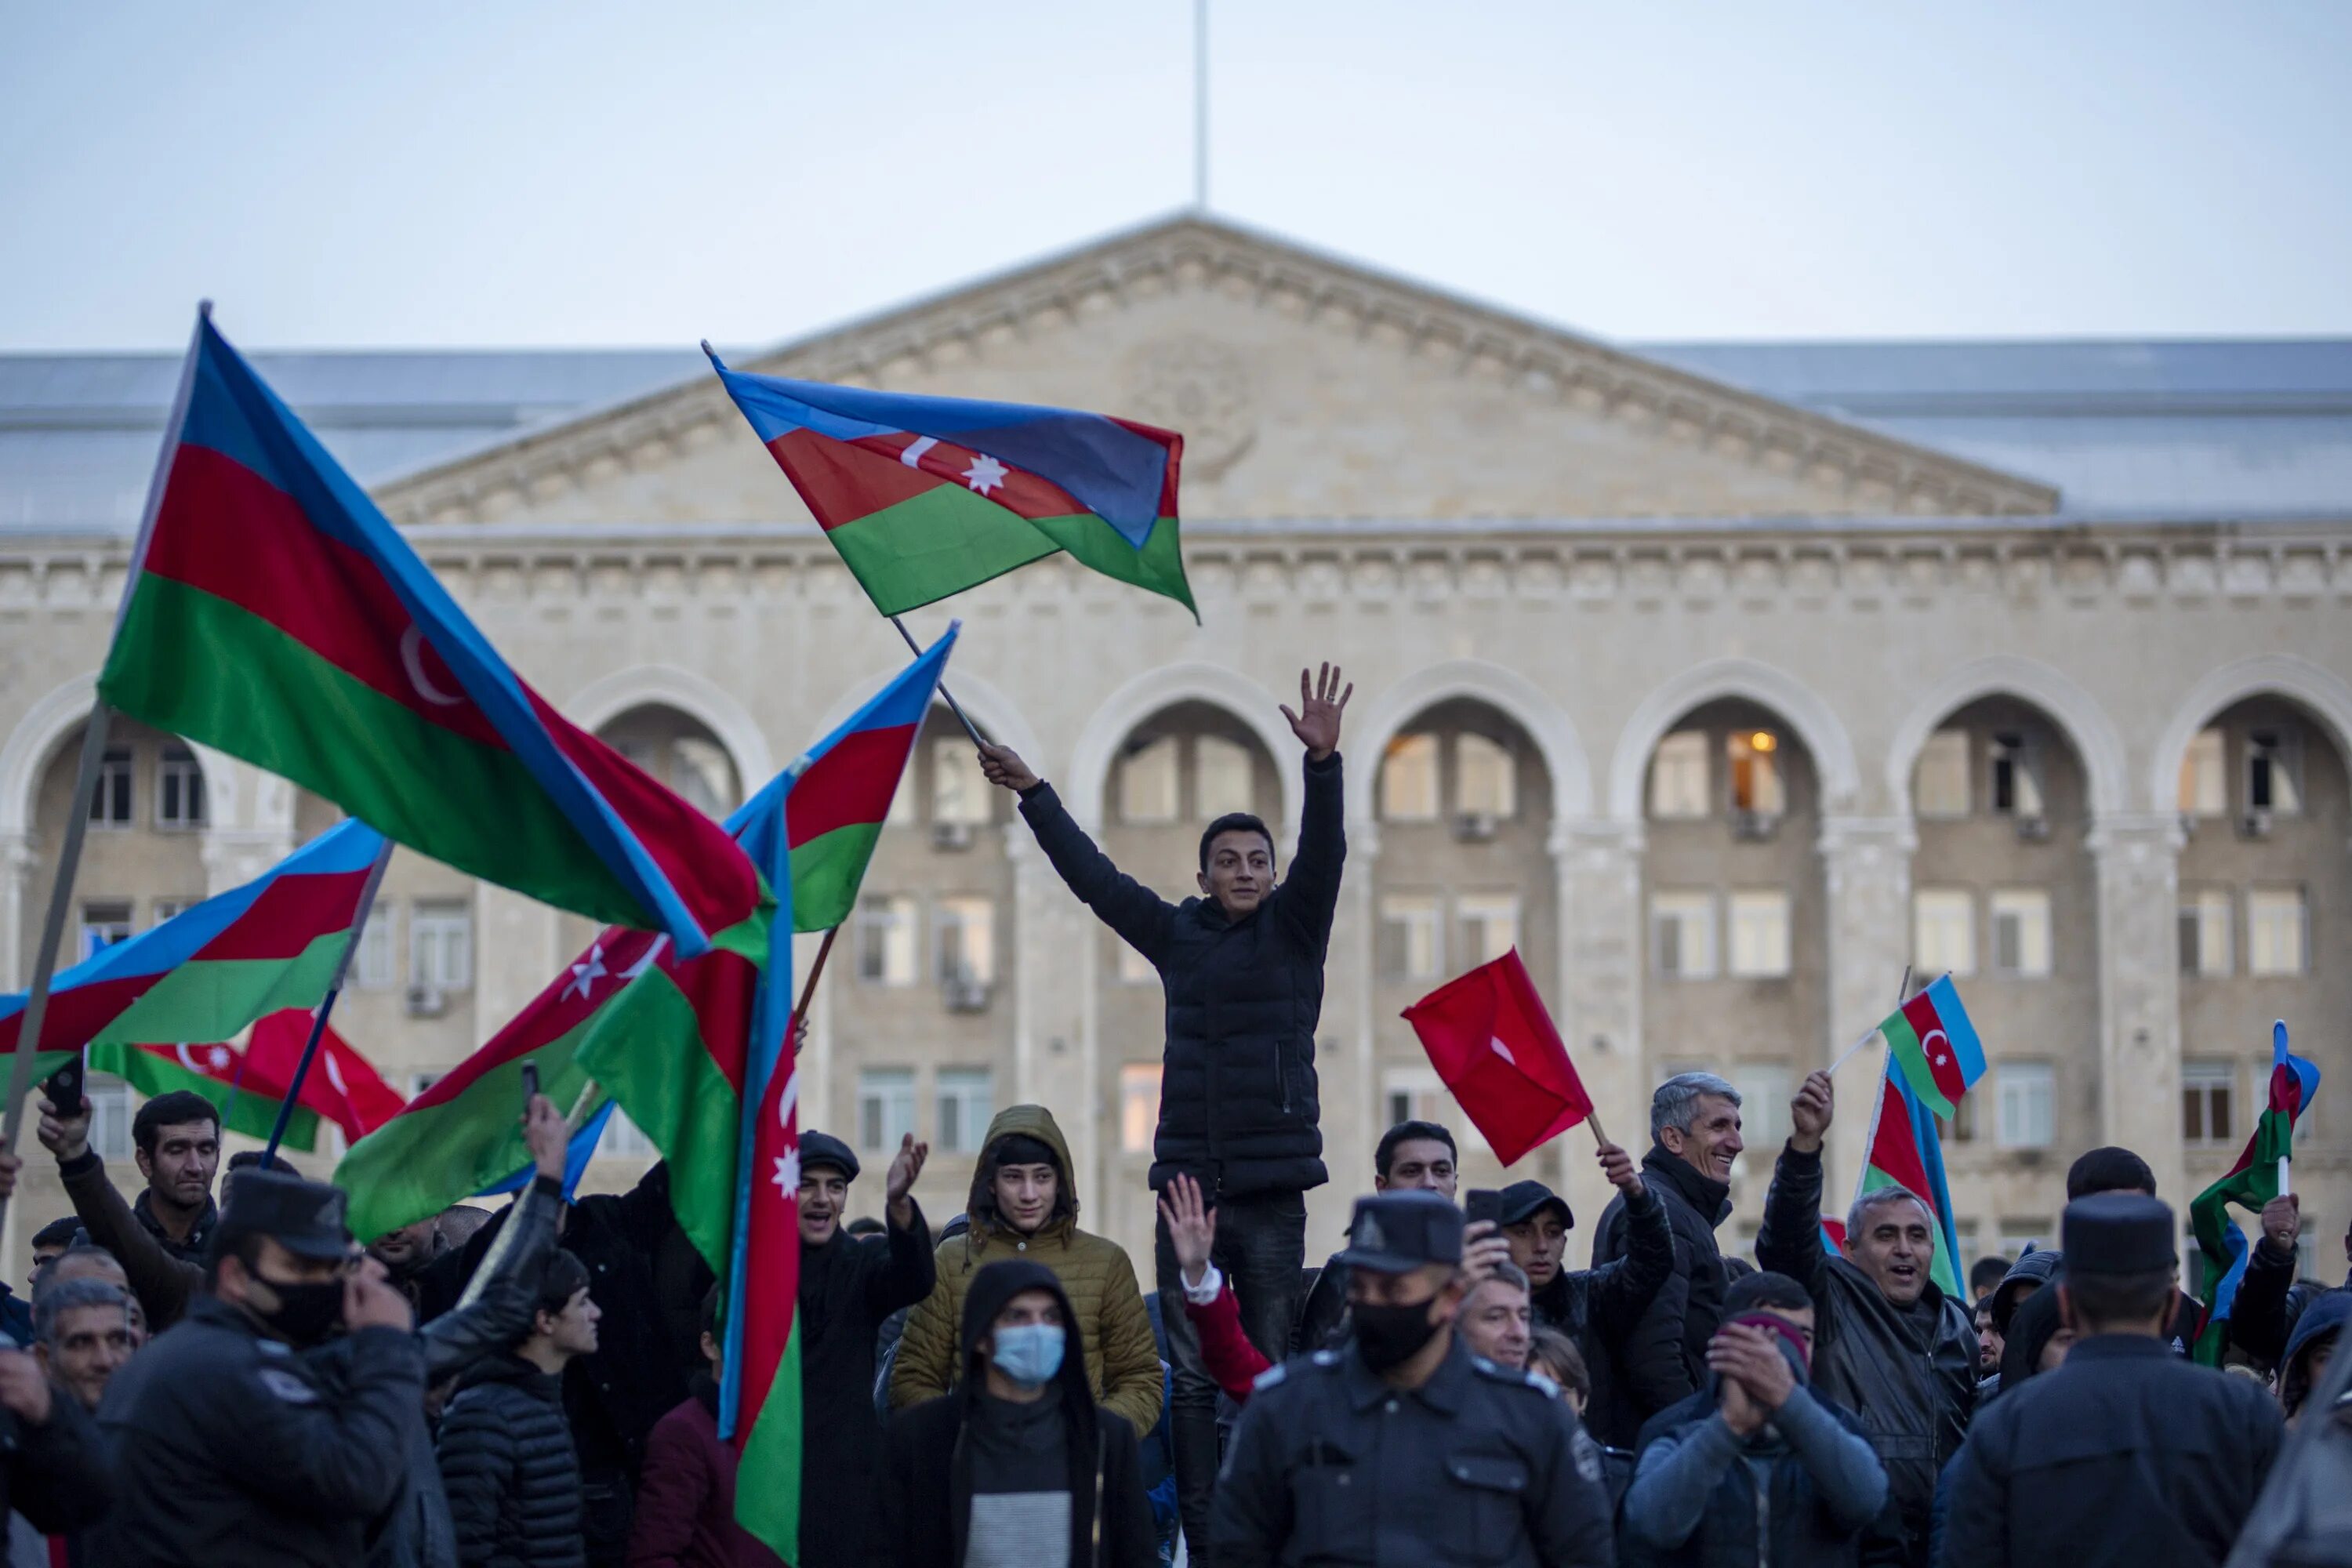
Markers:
point(1306, 387)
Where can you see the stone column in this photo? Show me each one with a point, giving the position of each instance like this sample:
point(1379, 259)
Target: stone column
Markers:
point(16, 861)
point(1866, 873)
point(2138, 859)
point(1353, 1117)
point(1597, 864)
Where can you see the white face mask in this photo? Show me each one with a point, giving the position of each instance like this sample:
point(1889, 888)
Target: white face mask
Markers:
point(1028, 1354)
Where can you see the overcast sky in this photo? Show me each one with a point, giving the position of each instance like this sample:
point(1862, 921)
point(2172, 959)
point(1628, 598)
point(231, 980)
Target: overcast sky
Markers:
point(438, 172)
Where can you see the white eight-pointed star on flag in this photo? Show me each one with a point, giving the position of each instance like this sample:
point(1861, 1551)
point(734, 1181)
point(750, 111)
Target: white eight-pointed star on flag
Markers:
point(788, 1171)
point(588, 970)
point(985, 473)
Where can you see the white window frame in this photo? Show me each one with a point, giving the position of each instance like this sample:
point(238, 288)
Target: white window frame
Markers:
point(889, 926)
point(111, 1107)
point(958, 794)
point(2205, 775)
point(1150, 797)
point(1944, 931)
point(2029, 909)
point(1490, 924)
point(1224, 777)
point(964, 1101)
point(2027, 798)
point(164, 911)
point(376, 965)
point(1138, 1106)
point(1422, 918)
point(2028, 1097)
point(1681, 781)
point(1765, 1091)
point(1692, 913)
point(963, 925)
point(114, 804)
point(886, 1107)
point(2273, 912)
point(1759, 923)
point(1768, 779)
point(1411, 789)
point(1486, 777)
point(114, 920)
point(441, 945)
point(180, 802)
point(2205, 1080)
point(2209, 919)
point(1942, 780)
point(2278, 752)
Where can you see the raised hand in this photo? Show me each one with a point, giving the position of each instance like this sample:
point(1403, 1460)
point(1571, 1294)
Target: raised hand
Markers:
point(2282, 1222)
point(1740, 1412)
point(1485, 1248)
point(1810, 1112)
point(1002, 766)
point(1316, 723)
point(1618, 1167)
point(1191, 1228)
point(904, 1171)
point(546, 1136)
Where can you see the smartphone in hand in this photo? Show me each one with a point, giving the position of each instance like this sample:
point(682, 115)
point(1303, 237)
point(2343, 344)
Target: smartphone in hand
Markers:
point(530, 1081)
point(1483, 1202)
point(64, 1087)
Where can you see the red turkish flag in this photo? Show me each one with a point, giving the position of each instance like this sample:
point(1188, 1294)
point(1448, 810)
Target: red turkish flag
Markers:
point(1494, 1045)
point(341, 1086)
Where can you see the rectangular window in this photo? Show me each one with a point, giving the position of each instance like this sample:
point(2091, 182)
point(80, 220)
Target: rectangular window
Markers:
point(1490, 925)
point(441, 946)
point(2205, 948)
point(1416, 1094)
point(1486, 778)
point(1760, 933)
point(168, 909)
point(886, 1107)
point(1225, 778)
point(2020, 931)
point(2204, 776)
point(2273, 776)
point(1681, 935)
point(1412, 945)
point(2276, 931)
point(2206, 1090)
point(1678, 781)
point(1138, 1106)
point(104, 926)
point(966, 928)
point(1961, 1127)
point(886, 939)
point(179, 788)
point(1943, 779)
point(2016, 778)
point(1146, 781)
point(110, 806)
point(1765, 1088)
point(111, 1111)
point(2027, 1095)
point(1409, 779)
point(966, 1101)
point(1944, 931)
point(1757, 789)
point(959, 794)
point(373, 965)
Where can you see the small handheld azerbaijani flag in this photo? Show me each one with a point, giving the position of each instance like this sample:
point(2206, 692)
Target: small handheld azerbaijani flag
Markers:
point(925, 497)
point(1495, 1047)
point(1905, 1150)
point(2253, 1182)
point(275, 613)
point(1930, 1041)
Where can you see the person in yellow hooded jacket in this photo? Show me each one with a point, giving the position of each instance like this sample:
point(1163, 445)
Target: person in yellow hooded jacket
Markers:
point(1023, 1204)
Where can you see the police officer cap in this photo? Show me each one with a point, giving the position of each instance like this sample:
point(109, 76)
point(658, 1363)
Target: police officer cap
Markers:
point(304, 1217)
point(824, 1149)
point(1395, 1233)
point(2118, 1233)
point(1523, 1200)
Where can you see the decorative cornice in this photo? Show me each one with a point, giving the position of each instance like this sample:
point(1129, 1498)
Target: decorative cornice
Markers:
point(1191, 254)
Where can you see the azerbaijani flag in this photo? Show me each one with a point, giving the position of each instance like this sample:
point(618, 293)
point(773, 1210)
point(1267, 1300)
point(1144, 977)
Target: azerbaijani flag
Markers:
point(925, 497)
point(341, 1085)
point(220, 1073)
point(2253, 1182)
point(1930, 1039)
point(842, 789)
point(205, 973)
point(1907, 1152)
point(275, 613)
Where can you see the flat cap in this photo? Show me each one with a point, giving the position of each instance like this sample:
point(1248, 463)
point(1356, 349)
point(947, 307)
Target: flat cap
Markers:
point(2118, 1233)
point(824, 1149)
point(1395, 1233)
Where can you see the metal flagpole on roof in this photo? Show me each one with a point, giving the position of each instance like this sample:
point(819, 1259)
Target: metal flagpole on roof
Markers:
point(1201, 105)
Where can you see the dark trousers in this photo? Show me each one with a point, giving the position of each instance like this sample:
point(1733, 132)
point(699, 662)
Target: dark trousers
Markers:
point(1260, 1249)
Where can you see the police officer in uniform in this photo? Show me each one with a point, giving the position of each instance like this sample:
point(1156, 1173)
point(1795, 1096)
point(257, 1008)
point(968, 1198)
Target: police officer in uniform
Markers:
point(2126, 1455)
point(1399, 1446)
point(229, 1447)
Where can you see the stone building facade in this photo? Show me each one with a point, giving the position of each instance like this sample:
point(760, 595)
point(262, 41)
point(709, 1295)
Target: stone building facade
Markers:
point(1723, 706)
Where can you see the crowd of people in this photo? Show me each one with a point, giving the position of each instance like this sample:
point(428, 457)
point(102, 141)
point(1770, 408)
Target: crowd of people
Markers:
point(240, 1382)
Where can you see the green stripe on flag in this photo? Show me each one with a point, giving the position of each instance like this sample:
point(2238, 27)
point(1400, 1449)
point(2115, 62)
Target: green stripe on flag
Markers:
point(1903, 1046)
point(826, 871)
point(2209, 1220)
point(246, 1111)
point(195, 664)
point(921, 549)
point(773, 1511)
point(205, 1000)
point(1158, 567)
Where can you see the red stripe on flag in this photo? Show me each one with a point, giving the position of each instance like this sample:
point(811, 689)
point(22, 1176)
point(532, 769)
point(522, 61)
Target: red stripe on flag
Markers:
point(849, 786)
point(555, 1011)
point(228, 531)
point(290, 914)
point(1943, 1061)
point(843, 482)
point(77, 1014)
point(1894, 1149)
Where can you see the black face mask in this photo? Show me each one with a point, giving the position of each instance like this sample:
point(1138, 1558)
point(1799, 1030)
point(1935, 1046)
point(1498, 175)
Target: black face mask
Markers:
point(1387, 1336)
point(306, 1313)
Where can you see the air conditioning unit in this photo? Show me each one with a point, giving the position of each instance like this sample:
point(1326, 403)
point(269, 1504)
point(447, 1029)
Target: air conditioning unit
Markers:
point(2034, 829)
point(427, 1002)
point(964, 995)
point(1754, 825)
point(1474, 827)
point(2255, 825)
point(950, 835)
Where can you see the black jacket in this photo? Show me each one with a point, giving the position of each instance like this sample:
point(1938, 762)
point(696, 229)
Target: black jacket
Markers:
point(923, 1523)
point(54, 1474)
point(190, 1249)
point(507, 1465)
point(1661, 1360)
point(1602, 1308)
point(229, 1447)
point(1909, 1374)
point(1238, 1094)
point(848, 1288)
point(2125, 1456)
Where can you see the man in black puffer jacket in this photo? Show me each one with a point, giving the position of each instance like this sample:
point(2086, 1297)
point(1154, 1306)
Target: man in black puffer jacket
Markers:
point(504, 1450)
point(1242, 969)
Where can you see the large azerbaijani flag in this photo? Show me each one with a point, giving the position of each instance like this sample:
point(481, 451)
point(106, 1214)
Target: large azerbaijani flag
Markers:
point(1931, 1043)
point(2253, 1182)
point(925, 497)
point(275, 613)
point(1907, 1152)
point(209, 971)
point(841, 791)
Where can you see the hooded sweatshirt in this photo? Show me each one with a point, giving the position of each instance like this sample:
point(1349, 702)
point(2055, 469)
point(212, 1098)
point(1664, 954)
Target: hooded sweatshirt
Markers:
point(1107, 1307)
